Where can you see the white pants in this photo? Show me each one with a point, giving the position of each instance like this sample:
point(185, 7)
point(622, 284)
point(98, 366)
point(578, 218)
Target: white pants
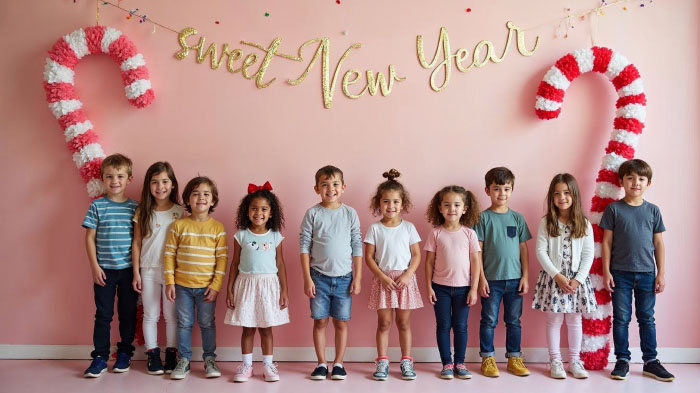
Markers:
point(152, 290)
point(573, 326)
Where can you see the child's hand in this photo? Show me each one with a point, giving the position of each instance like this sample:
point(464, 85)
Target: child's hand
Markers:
point(562, 283)
point(170, 292)
point(99, 276)
point(136, 282)
point(608, 282)
point(310, 288)
point(387, 282)
point(229, 300)
point(472, 296)
point(574, 284)
point(659, 283)
point(523, 286)
point(355, 287)
point(284, 300)
point(431, 296)
point(210, 295)
point(402, 280)
point(484, 289)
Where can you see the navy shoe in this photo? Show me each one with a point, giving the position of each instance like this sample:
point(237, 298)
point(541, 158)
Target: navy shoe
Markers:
point(170, 360)
point(154, 366)
point(338, 372)
point(123, 363)
point(97, 368)
point(622, 368)
point(319, 373)
point(655, 370)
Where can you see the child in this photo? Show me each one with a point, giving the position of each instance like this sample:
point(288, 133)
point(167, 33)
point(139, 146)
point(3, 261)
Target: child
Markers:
point(331, 261)
point(632, 248)
point(452, 266)
point(563, 289)
point(257, 284)
point(502, 235)
point(194, 265)
point(156, 212)
point(392, 253)
point(108, 238)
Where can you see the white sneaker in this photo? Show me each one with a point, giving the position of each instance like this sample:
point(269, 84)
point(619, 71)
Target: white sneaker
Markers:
point(556, 369)
point(270, 372)
point(577, 370)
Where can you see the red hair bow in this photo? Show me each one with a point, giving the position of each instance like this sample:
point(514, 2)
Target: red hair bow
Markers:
point(252, 187)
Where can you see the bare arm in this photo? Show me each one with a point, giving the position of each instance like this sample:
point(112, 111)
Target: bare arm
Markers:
point(356, 285)
point(484, 289)
point(405, 277)
point(475, 272)
point(525, 265)
point(98, 275)
point(309, 287)
point(373, 267)
point(660, 256)
point(282, 275)
point(429, 266)
point(233, 273)
point(136, 257)
point(605, 252)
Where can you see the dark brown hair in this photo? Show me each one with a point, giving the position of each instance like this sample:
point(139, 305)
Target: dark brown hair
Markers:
point(391, 184)
point(578, 220)
point(148, 202)
point(116, 161)
point(640, 167)
point(196, 182)
point(471, 205)
point(500, 176)
point(329, 171)
point(276, 220)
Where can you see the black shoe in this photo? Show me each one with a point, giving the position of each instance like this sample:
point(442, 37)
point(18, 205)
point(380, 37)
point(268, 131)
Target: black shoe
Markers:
point(319, 373)
point(622, 368)
point(170, 360)
point(154, 366)
point(655, 370)
point(338, 372)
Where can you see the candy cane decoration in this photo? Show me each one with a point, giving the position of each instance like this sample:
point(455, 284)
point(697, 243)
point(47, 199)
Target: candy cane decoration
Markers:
point(628, 124)
point(63, 100)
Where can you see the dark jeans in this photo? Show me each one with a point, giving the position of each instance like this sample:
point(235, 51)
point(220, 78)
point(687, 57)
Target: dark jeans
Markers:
point(642, 285)
point(451, 311)
point(512, 310)
point(118, 283)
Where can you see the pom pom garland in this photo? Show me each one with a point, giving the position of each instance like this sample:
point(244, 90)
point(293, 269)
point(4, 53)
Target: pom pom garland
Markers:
point(59, 75)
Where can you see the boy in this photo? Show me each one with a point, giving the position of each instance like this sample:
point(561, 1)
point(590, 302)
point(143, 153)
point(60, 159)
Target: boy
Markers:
point(331, 261)
point(502, 234)
point(108, 236)
point(632, 242)
point(194, 264)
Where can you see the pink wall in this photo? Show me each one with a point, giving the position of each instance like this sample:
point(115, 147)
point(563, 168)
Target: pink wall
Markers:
point(218, 124)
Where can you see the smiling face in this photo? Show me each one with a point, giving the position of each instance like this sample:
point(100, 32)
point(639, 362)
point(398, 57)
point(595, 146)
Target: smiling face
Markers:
point(259, 212)
point(499, 195)
point(201, 199)
point(452, 208)
point(635, 185)
point(115, 180)
point(561, 197)
point(161, 186)
point(390, 204)
point(330, 188)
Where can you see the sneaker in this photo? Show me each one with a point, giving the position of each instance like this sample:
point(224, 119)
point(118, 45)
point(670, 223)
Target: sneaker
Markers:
point(170, 359)
point(622, 368)
point(577, 370)
point(270, 372)
point(153, 365)
point(123, 363)
point(556, 369)
point(516, 366)
point(407, 371)
point(655, 370)
point(448, 371)
point(211, 370)
point(319, 373)
point(489, 368)
point(97, 368)
point(181, 369)
point(461, 371)
point(243, 372)
point(338, 373)
point(382, 371)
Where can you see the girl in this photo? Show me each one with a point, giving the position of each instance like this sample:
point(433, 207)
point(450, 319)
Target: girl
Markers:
point(563, 289)
point(156, 212)
point(257, 285)
point(392, 253)
point(452, 268)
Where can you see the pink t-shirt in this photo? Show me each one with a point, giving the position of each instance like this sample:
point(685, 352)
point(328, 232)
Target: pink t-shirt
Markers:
point(452, 265)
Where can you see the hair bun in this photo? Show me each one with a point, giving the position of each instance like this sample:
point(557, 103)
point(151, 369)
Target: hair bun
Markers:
point(391, 174)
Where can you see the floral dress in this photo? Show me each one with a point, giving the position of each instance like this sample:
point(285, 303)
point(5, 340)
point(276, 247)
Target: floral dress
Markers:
point(550, 298)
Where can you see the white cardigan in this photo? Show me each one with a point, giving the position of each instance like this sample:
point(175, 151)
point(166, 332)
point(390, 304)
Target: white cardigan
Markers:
point(549, 251)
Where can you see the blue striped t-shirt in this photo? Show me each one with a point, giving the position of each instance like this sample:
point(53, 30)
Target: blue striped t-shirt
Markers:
point(115, 230)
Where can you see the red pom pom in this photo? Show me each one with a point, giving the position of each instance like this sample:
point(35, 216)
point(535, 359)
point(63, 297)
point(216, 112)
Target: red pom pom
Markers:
point(59, 91)
point(547, 115)
point(550, 92)
point(67, 120)
point(628, 75)
point(568, 66)
point(597, 360)
point(62, 54)
point(635, 99)
point(597, 327)
point(91, 169)
point(597, 266)
point(599, 204)
point(606, 175)
point(121, 49)
point(93, 38)
point(129, 77)
point(602, 296)
point(629, 124)
point(621, 149)
point(82, 140)
point(601, 58)
point(144, 99)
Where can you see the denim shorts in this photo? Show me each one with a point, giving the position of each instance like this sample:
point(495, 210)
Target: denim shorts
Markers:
point(332, 296)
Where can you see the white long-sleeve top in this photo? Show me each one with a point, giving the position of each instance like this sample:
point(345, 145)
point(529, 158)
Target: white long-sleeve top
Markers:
point(549, 251)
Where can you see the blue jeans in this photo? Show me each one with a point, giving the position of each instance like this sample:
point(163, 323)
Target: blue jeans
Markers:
point(118, 283)
point(512, 310)
point(186, 300)
point(642, 285)
point(451, 311)
point(332, 296)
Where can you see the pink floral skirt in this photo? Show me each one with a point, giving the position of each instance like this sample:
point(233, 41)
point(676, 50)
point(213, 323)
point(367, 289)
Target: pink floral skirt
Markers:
point(256, 298)
point(406, 298)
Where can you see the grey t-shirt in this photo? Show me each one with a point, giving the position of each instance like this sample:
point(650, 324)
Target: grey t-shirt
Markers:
point(502, 234)
point(633, 230)
point(331, 237)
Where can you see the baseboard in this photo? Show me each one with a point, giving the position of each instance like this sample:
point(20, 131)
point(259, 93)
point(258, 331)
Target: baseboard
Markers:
point(307, 354)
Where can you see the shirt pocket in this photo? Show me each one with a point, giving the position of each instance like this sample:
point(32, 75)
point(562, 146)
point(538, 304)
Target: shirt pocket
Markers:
point(511, 231)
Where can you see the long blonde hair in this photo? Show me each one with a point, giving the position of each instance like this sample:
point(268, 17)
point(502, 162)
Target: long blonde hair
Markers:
point(578, 220)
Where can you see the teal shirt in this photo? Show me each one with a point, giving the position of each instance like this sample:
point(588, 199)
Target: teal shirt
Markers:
point(502, 234)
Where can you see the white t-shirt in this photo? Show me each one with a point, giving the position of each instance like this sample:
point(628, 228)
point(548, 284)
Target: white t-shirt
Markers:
point(392, 244)
point(152, 246)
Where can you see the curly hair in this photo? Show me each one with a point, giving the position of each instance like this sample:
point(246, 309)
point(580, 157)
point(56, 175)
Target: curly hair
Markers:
point(276, 220)
point(471, 206)
point(391, 184)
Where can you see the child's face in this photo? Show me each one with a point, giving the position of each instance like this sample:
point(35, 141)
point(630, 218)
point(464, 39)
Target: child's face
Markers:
point(201, 199)
point(390, 204)
point(259, 212)
point(330, 188)
point(161, 186)
point(635, 185)
point(452, 207)
point(562, 197)
point(115, 180)
point(499, 194)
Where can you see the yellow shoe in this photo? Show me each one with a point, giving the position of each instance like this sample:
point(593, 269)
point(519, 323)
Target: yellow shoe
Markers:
point(516, 366)
point(489, 368)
